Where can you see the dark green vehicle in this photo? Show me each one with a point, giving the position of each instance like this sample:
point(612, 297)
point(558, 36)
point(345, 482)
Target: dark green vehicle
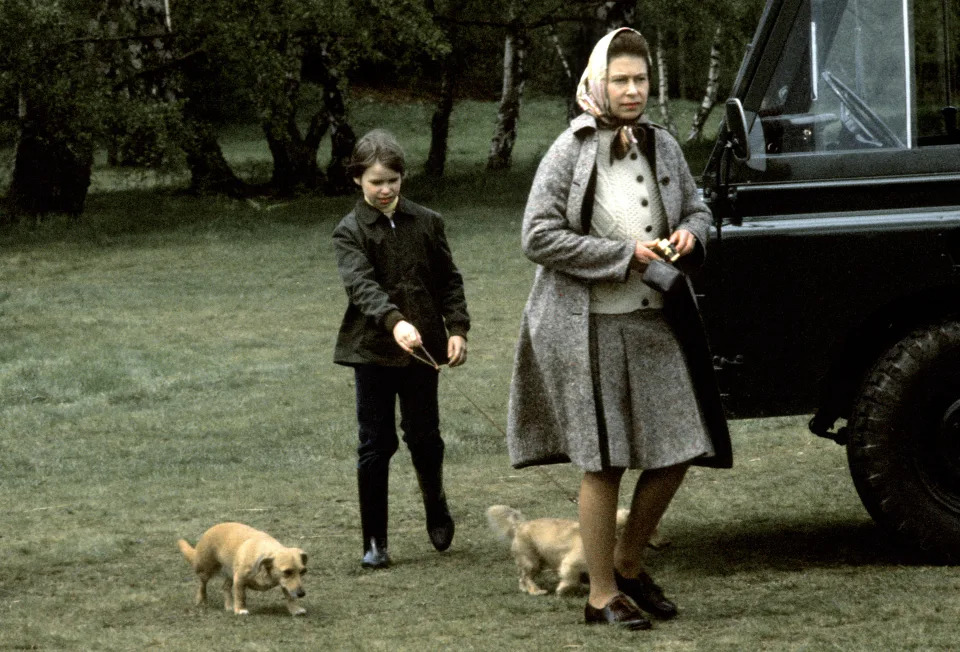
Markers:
point(833, 285)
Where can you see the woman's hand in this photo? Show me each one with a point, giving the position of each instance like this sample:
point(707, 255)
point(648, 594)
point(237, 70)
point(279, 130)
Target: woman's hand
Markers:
point(683, 240)
point(643, 255)
point(407, 336)
point(456, 350)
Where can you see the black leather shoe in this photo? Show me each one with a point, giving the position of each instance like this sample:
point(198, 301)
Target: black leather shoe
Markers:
point(647, 595)
point(619, 611)
point(440, 525)
point(376, 556)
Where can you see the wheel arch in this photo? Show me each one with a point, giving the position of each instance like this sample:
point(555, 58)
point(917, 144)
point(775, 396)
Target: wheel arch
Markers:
point(854, 353)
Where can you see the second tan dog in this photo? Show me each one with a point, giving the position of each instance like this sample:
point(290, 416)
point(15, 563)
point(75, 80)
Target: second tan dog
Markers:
point(544, 543)
point(248, 559)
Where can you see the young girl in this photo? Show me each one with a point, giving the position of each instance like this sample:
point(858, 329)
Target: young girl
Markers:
point(405, 298)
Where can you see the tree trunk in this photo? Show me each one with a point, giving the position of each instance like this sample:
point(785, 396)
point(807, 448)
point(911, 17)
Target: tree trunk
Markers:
point(51, 171)
point(342, 137)
point(564, 61)
point(209, 171)
point(295, 168)
point(710, 95)
point(664, 92)
point(440, 122)
point(514, 74)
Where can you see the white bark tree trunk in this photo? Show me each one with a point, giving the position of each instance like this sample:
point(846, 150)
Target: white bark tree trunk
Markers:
point(710, 94)
point(514, 73)
point(664, 88)
point(564, 61)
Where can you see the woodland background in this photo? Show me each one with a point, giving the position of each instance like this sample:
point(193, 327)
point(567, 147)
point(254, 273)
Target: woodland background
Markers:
point(152, 84)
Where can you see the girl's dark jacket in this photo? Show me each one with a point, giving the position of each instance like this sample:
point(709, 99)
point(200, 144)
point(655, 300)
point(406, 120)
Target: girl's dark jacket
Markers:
point(396, 271)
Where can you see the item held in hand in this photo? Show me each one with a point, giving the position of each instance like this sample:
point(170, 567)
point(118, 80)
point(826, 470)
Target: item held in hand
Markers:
point(663, 277)
point(665, 249)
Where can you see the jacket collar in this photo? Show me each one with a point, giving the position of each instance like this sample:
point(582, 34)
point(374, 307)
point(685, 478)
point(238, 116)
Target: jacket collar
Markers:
point(368, 215)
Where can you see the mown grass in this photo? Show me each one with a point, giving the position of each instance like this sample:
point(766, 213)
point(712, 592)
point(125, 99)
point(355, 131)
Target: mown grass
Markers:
point(165, 365)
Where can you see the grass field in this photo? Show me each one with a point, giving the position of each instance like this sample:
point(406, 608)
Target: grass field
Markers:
point(165, 365)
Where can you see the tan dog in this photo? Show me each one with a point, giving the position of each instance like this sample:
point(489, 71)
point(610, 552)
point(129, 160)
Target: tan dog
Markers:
point(247, 558)
point(551, 543)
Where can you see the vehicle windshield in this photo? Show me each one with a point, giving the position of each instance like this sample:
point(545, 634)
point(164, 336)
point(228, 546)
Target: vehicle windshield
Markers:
point(841, 82)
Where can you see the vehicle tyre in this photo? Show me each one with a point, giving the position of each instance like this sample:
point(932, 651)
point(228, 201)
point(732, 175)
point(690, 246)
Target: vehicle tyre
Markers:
point(904, 447)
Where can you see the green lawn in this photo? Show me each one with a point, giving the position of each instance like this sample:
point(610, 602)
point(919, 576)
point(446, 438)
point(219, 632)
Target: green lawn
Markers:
point(165, 365)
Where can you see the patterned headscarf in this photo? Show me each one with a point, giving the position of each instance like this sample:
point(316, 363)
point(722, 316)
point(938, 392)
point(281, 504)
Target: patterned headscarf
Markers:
point(592, 98)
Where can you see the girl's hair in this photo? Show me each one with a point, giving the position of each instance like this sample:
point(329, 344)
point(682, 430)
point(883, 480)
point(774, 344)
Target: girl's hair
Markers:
point(377, 146)
point(629, 43)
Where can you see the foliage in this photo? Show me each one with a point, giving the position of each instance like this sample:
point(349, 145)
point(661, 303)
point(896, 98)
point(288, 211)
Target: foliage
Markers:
point(279, 61)
point(54, 75)
point(145, 134)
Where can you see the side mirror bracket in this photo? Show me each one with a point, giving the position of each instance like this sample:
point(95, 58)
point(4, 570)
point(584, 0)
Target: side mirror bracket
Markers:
point(736, 122)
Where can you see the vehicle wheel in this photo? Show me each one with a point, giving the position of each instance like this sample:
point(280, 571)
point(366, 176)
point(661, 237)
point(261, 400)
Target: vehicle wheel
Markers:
point(904, 447)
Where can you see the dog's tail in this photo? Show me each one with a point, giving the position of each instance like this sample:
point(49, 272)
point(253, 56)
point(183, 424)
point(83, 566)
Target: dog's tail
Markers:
point(188, 551)
point(504, 520)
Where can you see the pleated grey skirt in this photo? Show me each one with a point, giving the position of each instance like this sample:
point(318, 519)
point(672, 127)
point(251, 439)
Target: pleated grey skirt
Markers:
point(647, 411)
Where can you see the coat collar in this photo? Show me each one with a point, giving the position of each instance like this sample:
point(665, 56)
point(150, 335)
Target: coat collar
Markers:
point(368, 215)
point(583, 122)
point(586, 122)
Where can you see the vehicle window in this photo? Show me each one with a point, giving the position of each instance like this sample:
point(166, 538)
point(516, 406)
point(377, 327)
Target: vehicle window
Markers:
point(841, 81)
point(937, 46)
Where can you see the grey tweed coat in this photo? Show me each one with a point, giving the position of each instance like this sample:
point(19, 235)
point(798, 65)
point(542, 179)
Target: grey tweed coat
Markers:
point(551, 415)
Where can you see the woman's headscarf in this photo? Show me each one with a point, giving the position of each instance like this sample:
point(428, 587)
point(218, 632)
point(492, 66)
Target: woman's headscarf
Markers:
point(592, 98)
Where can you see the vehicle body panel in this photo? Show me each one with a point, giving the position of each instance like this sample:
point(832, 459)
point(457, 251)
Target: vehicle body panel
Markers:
point(842, 231)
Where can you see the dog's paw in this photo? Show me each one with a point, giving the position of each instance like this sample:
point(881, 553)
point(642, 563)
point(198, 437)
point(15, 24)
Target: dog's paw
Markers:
point(241, 612)
point(299, 612)
point(535, 590)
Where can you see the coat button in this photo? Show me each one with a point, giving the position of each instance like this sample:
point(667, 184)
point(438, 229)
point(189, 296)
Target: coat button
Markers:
point(645, 303)
point(665, 181)
point(640, 178)
point(648, 229)
point(633, 156)
point(644, 202)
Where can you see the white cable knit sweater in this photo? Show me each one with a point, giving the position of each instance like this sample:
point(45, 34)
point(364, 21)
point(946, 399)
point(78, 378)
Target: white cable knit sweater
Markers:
point(626, 206)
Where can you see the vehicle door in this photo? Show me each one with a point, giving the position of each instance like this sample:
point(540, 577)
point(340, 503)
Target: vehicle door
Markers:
point(848, 199)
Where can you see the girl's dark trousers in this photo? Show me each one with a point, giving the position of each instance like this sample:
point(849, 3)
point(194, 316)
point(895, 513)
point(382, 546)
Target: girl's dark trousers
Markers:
point(378, 389)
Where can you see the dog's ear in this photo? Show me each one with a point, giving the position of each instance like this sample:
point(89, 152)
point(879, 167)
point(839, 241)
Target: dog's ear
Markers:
point(264, 562)
point(303, 557)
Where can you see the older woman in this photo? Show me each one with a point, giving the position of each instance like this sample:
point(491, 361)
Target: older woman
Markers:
point(610, 373)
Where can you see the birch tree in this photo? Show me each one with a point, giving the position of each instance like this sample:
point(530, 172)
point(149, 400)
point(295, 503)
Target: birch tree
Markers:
point(663, 88)
point(710, 94)
point(514, 74)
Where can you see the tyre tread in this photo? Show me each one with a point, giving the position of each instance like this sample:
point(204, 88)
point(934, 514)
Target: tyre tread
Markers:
point(879, 474)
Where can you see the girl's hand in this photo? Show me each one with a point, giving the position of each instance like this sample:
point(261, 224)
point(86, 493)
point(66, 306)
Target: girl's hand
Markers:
point(456, 350)
point(683, 240)
point(407, 336)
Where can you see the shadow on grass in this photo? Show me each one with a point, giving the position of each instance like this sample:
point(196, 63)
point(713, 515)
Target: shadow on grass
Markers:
point(786, 545)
